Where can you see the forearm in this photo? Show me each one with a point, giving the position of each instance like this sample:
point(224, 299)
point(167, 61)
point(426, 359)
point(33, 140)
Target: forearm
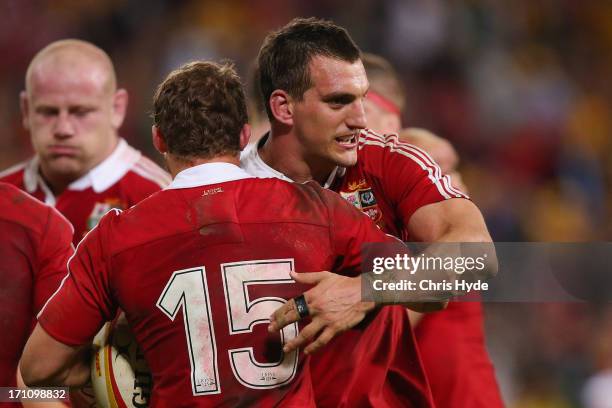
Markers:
point(48, 362)
point(74, 373)
point(456, 221)
point(36, 404)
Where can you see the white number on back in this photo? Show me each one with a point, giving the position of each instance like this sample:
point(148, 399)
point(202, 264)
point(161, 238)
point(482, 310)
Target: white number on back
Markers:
point(188, 289)
point(244, 313)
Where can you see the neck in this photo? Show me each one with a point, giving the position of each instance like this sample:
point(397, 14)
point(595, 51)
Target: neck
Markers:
point(284, 153)
point(177, 164)
point(57, 183)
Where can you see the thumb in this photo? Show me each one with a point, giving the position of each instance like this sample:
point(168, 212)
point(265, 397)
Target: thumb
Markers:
point(308, 278)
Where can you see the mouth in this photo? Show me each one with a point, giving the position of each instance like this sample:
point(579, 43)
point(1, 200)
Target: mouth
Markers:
point(60, 150)
point(347, 141)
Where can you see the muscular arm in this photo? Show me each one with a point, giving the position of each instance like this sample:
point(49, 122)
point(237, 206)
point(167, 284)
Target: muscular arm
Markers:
point(48, 362)
point(455, 220)
point(37, 404)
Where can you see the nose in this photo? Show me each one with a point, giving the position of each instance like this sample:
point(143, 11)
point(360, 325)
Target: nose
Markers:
point(64, 128)
point(357, 118)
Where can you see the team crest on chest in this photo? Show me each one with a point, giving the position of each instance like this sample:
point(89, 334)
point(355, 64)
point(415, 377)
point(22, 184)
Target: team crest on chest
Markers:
point(102, 208)
point(360, 194)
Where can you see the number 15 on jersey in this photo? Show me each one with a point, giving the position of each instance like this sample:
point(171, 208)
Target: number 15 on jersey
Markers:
point(188, 289)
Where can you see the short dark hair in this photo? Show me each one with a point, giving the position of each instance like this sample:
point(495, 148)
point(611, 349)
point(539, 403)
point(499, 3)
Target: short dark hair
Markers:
point(255, 102)
point(383, 78)
point(285, 55)
point(200, 110)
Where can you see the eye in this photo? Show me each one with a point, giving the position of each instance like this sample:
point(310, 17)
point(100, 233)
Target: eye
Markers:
point(339, 101)
point(47, 111)
point(81, 111)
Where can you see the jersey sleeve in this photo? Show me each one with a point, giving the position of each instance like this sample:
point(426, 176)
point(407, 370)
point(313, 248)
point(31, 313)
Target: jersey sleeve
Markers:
point(350, 230)
point(54, 250)
point(408, 176)
point(83, 302)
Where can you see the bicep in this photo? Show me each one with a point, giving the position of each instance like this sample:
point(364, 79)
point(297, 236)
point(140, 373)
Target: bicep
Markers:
point(453, 220)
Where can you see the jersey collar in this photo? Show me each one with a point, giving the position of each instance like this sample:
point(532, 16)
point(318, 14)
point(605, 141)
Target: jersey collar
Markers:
point(208, 173)
point(100, 178)
point(252, 162)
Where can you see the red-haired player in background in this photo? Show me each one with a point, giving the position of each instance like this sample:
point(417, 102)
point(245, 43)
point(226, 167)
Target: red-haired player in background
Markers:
point(73, 111)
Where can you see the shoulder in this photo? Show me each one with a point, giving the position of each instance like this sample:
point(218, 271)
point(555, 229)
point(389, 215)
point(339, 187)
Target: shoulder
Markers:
point(143, 179)
point(127, 168)
point(309, 192)
point(15, 203)
point(151, 218)
point(18, 207)
point(282, 190)
point(275, 200)
point(147, 170)
point(374, 145)
point(14, 174)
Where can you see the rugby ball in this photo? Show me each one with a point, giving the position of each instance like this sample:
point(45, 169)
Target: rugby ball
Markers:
point(119, 373)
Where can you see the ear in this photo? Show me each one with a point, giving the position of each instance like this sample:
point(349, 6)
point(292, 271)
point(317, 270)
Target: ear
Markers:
point(245, 135)
point(281, 106)
point(158, 140)
point(24, 105)
point(120, 103)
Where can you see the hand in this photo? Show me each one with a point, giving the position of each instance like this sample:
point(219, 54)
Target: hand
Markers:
point(334, 304)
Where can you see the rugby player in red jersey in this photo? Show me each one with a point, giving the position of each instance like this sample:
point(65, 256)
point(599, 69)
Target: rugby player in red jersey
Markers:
point(73, 111)
point(199, 267)
point(314, 85)
point(35, 244)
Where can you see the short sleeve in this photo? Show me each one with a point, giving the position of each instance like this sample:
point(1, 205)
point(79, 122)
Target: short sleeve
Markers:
point(408, 176)
point(81, 305)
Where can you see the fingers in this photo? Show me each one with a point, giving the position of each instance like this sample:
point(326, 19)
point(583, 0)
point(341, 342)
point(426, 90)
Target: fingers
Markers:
point(283, 316)
point(305, 335)
point(308, 278)
point(324, 338)
point(288, 313)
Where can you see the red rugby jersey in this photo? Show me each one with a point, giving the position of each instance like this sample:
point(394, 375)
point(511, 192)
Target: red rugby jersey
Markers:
point(198, 269)
point(390, 182)
point(120, 181)
point(35, 244)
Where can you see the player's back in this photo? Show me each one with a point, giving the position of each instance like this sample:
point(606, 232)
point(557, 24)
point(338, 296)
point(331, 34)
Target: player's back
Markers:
point(34, 249)
point(198, 271)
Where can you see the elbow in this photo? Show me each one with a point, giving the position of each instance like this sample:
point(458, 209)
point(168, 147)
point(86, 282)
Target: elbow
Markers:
point(32, 374)
point(36, 370)
point(485, 257)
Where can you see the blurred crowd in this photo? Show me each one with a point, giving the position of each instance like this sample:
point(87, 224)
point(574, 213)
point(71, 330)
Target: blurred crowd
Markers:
point(520, 88)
